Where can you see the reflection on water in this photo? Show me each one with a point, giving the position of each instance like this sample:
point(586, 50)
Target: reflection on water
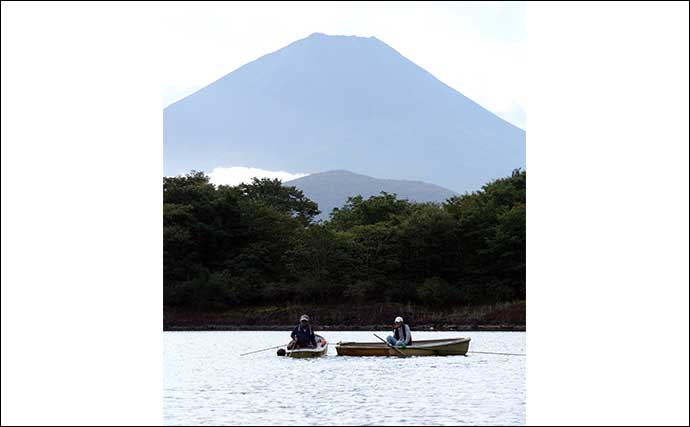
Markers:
point(208, 383)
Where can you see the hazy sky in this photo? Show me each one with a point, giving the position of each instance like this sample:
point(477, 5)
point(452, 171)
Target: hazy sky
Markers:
point(478, 48)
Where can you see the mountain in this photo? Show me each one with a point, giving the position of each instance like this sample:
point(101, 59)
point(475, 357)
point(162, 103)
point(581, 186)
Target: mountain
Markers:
point(331, 189)
point(341, 102)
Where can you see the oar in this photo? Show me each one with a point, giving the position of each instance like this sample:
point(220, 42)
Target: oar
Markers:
point(263, 349)
point(388, 344)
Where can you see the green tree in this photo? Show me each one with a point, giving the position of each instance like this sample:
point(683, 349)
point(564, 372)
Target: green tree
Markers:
point(288, 200)
point(429, 244)
point(257, 243)
point(479, 216)
point(376, 209)
point(434, 292)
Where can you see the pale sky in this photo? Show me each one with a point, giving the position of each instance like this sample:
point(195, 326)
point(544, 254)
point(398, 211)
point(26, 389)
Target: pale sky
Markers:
point(478, 48)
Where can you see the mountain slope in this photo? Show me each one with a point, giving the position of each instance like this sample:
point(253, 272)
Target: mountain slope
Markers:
point(337, 102)
point(331, 189)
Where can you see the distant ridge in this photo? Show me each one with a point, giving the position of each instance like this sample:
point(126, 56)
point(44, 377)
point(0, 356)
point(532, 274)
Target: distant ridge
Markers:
point(332, 188)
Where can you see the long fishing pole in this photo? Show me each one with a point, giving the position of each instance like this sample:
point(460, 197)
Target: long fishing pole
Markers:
point(500, 354)
point(263, 349)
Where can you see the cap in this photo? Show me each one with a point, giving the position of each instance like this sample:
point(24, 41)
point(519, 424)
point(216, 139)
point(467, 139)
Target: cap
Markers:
point(398, 319)
point(304, 317)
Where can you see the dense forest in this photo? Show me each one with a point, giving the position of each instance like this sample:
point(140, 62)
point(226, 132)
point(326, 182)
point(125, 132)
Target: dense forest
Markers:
point(258, 244)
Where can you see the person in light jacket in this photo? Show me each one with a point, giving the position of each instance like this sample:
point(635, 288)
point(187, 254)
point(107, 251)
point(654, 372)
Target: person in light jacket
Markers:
point(402, 336)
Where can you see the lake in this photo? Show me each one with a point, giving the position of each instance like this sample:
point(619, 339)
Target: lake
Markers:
point(208, 383)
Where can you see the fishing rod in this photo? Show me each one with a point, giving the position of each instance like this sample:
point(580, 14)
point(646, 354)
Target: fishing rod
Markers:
point(263, 349)
point(500, 354)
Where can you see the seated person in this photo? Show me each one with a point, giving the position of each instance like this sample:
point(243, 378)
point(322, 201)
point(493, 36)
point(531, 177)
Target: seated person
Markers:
point(402, 336)
point(302, 335)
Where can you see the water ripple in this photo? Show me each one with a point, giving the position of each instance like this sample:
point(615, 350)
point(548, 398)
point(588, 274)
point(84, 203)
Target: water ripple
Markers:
point(208, 383)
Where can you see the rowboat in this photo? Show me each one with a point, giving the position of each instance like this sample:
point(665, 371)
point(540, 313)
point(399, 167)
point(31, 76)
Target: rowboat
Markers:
point(438, 347)
point(320, 350)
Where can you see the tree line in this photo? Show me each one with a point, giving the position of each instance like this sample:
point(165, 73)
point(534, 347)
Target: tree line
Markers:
point(258, 244)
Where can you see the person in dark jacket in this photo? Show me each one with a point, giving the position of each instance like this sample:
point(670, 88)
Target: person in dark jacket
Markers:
point(303, 335)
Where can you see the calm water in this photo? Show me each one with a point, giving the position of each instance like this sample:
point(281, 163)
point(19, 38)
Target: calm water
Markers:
point(208, 383)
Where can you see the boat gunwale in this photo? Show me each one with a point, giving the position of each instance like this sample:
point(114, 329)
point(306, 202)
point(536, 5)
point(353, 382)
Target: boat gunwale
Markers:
point(323, 350)
point(309, 350)
point(421, 345)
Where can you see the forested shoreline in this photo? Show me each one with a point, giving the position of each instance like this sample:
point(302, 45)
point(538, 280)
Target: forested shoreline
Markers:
point(256, 248)
point(509, 316)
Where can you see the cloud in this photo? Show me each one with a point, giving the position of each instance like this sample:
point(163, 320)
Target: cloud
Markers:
point(237, 174)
